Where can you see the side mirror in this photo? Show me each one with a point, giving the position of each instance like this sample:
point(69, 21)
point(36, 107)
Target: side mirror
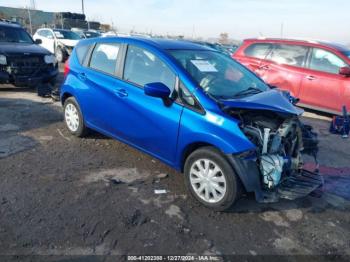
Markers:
point(38, 41)
point(344, 71)
point(157, 90)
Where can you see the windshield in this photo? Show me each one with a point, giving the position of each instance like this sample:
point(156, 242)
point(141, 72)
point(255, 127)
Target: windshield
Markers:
point(63, 34)
point(347, 54)
point(13, 35)
point(219, 76)
point(91, 34)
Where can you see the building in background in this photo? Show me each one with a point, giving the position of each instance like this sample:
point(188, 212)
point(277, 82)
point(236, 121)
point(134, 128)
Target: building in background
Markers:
point(33, 19)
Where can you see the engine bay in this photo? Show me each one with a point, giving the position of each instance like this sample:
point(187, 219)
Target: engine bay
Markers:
point(281, 140)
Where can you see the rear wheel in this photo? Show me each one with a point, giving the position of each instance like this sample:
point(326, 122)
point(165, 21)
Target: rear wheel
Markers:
point(74, 118)
point(211, 179)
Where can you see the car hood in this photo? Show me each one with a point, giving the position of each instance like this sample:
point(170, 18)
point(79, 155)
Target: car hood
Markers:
point(68, 42)
point(272, 100)
point(19, 48)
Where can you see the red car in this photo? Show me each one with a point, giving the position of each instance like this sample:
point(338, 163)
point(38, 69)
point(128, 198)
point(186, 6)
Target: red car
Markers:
point(318, 73)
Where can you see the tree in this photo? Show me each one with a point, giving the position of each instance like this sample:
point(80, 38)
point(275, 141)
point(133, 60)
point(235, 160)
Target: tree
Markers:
point(224, 39)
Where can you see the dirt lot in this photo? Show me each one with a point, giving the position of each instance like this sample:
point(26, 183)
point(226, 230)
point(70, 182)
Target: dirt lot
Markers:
point(61, 195)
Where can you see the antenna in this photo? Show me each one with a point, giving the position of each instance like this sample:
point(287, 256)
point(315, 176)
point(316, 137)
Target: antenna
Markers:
point(82, 7)
point(32, 4)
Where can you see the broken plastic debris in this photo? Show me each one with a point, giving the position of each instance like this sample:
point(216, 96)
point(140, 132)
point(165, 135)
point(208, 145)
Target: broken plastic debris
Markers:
point(162, 175)
point(160, 191)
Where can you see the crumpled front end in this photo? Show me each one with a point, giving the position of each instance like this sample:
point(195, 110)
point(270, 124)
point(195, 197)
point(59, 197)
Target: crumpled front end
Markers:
point(29, 70)
point(276, 166)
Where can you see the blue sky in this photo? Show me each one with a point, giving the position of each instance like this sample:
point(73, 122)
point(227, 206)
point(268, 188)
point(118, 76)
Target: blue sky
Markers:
point(314, 19)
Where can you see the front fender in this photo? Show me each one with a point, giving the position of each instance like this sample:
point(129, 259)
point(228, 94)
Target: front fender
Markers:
point(211, 129)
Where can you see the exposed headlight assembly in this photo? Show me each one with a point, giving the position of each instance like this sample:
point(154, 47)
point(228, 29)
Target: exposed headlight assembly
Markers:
point(3, 60)
point(50, 59)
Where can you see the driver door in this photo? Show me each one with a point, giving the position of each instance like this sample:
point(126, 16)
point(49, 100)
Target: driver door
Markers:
point(146, 121)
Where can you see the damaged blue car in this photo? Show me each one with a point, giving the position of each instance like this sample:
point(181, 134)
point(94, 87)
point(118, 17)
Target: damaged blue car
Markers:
point(196, 110)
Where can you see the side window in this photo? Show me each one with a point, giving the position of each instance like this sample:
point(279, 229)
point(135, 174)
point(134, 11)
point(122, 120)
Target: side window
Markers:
point(258, 50)
point(82, 50)
point(44, 33)
point(41, 33)
point(142, 67)
point(104, 57)
point(293, 55)
point(325, 61)
point(49, 34)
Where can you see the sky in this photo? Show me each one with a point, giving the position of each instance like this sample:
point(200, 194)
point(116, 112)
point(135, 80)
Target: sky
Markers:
point(312, 19)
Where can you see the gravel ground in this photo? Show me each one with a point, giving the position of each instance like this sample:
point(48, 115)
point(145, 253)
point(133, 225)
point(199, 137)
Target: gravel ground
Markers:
point(61, 195)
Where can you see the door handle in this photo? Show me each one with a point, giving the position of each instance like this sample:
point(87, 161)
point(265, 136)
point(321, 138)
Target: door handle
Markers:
point(82, 76)
point(121, 93)
point(311, 78)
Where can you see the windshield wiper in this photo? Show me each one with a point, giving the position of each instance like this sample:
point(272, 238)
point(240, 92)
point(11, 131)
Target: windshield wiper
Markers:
point(248, 91)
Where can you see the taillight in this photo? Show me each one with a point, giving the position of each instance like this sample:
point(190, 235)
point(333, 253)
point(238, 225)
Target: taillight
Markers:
point(66, 68)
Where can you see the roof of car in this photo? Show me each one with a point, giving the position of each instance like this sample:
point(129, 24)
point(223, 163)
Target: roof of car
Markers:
point(296, 40)
point(173, 44)
point(165, 44)
point(9, 24)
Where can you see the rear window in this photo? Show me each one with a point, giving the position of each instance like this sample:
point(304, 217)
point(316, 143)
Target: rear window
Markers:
point(293, 55)
point(259, 50)
point(104, 57)
point(82, 52)
point(325, 61)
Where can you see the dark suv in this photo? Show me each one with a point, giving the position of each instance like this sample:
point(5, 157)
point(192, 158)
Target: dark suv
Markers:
point(22, 61)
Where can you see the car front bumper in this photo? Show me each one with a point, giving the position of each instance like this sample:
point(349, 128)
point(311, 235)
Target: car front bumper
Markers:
point(292, 187)
point(45, 76)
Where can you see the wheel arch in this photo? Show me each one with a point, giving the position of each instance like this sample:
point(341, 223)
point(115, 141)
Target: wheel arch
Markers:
point(189, 149)
point(65, 96)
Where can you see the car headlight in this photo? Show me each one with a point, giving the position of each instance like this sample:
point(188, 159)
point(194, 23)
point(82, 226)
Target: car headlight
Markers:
point(50, 59)
point(3, 60)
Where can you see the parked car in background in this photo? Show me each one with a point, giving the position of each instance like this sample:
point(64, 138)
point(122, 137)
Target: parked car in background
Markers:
point(316, 72)
point(22, 61)
point(86, 33)
point(58, 41)
point(196, 110)
point(109, 34)
point(225, 49)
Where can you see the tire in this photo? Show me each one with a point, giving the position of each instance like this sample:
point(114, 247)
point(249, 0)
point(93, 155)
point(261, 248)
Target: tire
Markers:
point(60, 55)
point(226, 195)
point(73, 118)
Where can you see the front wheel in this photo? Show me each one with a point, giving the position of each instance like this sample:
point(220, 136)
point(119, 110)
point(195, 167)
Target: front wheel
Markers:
point(211, 179)
point(60, 55)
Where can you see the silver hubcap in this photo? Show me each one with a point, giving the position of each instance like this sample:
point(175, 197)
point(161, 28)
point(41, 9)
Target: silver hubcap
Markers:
point(72, 117)
point(208, 180)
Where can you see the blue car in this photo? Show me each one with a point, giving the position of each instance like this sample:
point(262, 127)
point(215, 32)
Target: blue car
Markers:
point(194, 109)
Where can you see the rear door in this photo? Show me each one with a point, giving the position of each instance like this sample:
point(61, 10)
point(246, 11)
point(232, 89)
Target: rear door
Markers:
point(284, 67)
point(99, 84)
point(322, 86)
